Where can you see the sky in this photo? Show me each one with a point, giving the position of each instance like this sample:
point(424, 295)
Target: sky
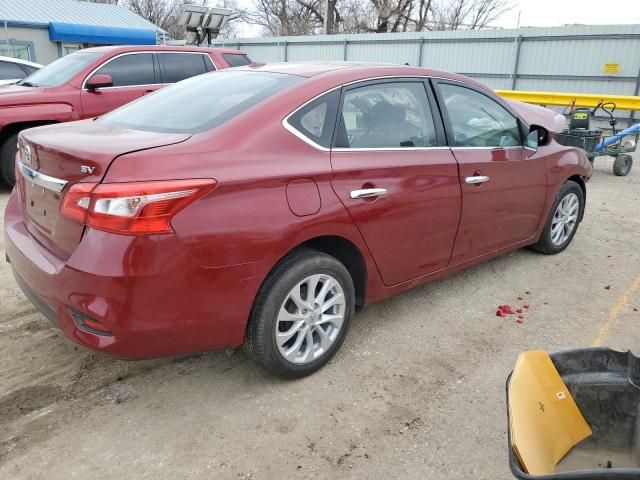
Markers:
point(548, 13)
point(542, 13)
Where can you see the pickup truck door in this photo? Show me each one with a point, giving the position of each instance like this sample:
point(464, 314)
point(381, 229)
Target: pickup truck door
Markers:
point(134, 74)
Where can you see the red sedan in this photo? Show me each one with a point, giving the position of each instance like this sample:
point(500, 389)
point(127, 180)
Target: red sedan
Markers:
point(263, 205)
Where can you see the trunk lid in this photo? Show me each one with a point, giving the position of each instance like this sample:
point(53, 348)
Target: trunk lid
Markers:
point(55, 157)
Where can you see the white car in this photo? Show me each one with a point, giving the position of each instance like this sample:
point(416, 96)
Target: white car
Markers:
point(13, 70)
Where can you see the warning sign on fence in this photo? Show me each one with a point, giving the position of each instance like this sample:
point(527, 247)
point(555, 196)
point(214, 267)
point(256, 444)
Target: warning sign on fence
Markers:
point(612, 68)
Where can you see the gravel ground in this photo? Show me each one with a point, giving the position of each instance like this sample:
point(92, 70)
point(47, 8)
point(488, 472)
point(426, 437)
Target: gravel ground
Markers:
point(416, 392)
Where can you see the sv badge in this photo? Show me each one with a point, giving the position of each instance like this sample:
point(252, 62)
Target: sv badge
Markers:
point(87, 169)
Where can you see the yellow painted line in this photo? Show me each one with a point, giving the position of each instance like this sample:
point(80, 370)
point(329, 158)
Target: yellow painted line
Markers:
point(614, 313)
point(563, 99)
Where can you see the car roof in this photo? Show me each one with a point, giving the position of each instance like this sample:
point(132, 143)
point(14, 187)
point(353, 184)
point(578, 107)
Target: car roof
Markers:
point(20, 61)
point(350, 71)
point(160, 48)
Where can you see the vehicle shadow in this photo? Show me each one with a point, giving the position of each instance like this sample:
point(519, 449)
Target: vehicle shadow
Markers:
point(96, 370)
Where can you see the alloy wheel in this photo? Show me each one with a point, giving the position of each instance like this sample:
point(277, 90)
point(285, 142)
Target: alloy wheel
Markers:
point(565, 219)
point(310, 318)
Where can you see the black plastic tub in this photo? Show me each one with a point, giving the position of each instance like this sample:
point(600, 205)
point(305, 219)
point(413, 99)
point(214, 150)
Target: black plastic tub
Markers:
point(584, 139)
point(605, 385)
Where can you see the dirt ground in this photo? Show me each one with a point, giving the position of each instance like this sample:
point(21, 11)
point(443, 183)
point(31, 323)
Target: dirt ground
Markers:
point(416, 392)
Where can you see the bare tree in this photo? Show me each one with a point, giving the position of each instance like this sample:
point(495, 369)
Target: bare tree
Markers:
point(469, 14)
point(307, 17)
point(288, 17)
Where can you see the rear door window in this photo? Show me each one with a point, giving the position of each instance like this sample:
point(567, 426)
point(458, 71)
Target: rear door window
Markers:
point(130, 69)
point(236, 59)
point(387, 115)
point(178, 66)
point(10, 71)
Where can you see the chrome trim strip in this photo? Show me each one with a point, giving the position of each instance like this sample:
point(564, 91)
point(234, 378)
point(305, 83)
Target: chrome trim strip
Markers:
point(511, 147)
point(386, 149)
point(307, 140)
point(45, 181)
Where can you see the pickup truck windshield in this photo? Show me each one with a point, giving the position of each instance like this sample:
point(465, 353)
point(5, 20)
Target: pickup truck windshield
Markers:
point(60, 71)
point(199, 103)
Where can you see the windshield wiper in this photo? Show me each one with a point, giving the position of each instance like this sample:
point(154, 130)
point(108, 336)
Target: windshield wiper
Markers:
point(27, 84)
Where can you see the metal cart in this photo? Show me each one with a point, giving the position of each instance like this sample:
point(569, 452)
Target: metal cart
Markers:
point(618, 145)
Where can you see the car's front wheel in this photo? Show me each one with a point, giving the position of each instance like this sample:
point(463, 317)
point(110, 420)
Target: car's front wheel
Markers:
point(301, 314)
point(563, 219)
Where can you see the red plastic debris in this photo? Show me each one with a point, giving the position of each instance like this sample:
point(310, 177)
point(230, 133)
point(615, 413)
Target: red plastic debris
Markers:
point(607, 287)
point(500, 313)
point(520, 316)
point(526, 305)
point(528, 292)
point(519, 310)
point(506, 309)
point(520, 321)
point(520, 298)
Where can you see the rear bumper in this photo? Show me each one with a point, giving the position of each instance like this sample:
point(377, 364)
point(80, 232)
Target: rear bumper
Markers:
point(150, 293)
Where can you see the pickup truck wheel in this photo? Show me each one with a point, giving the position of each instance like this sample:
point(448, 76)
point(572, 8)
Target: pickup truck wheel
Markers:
point(301, 314)
point(7, 159)
point(563, 219)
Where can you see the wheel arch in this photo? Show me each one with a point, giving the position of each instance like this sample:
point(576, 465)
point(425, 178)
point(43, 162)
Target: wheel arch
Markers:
point(347, 253)
point(342, 249)
point(583, 186)
point(13, 128)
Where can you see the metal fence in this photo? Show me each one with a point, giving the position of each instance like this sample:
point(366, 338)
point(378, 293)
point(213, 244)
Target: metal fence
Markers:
point(581, 59)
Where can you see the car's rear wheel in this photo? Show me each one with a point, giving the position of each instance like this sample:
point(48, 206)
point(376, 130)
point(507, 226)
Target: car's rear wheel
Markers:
point(301, 314)
point(563, 219)
point(7, 159)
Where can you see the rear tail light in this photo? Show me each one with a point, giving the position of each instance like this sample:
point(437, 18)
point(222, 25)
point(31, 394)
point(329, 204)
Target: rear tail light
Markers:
point(132, 208)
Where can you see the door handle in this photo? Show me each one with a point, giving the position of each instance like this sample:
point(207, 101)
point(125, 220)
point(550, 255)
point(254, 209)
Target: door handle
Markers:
point(367, 193)
point(476, 179)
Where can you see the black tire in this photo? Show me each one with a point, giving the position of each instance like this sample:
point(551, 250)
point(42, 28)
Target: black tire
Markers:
point(545, 243)
point(7, 159)
point(260, 342)
point(622, 165)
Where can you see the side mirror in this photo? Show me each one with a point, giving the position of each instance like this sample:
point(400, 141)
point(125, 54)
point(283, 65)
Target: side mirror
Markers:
point(99, 81)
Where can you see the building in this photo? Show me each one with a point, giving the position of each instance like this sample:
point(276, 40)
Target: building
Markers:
point(44, 30)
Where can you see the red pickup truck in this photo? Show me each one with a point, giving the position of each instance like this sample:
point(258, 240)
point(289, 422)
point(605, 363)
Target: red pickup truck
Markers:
point(94, 81)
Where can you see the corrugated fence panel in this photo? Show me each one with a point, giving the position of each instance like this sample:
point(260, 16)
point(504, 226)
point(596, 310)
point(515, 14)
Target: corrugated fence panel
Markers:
point(322, 52)
point(591, 59)
point(386, 53)
point(265, 53)
point(580, 57)
point(463, 57)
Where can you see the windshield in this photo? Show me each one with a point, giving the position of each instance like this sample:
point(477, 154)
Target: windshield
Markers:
point(199, 103)
point(60, 71)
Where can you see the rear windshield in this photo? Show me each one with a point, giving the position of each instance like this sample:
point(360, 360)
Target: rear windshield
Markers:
point(61, 71)
point(236, 59)
point(199, 103)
